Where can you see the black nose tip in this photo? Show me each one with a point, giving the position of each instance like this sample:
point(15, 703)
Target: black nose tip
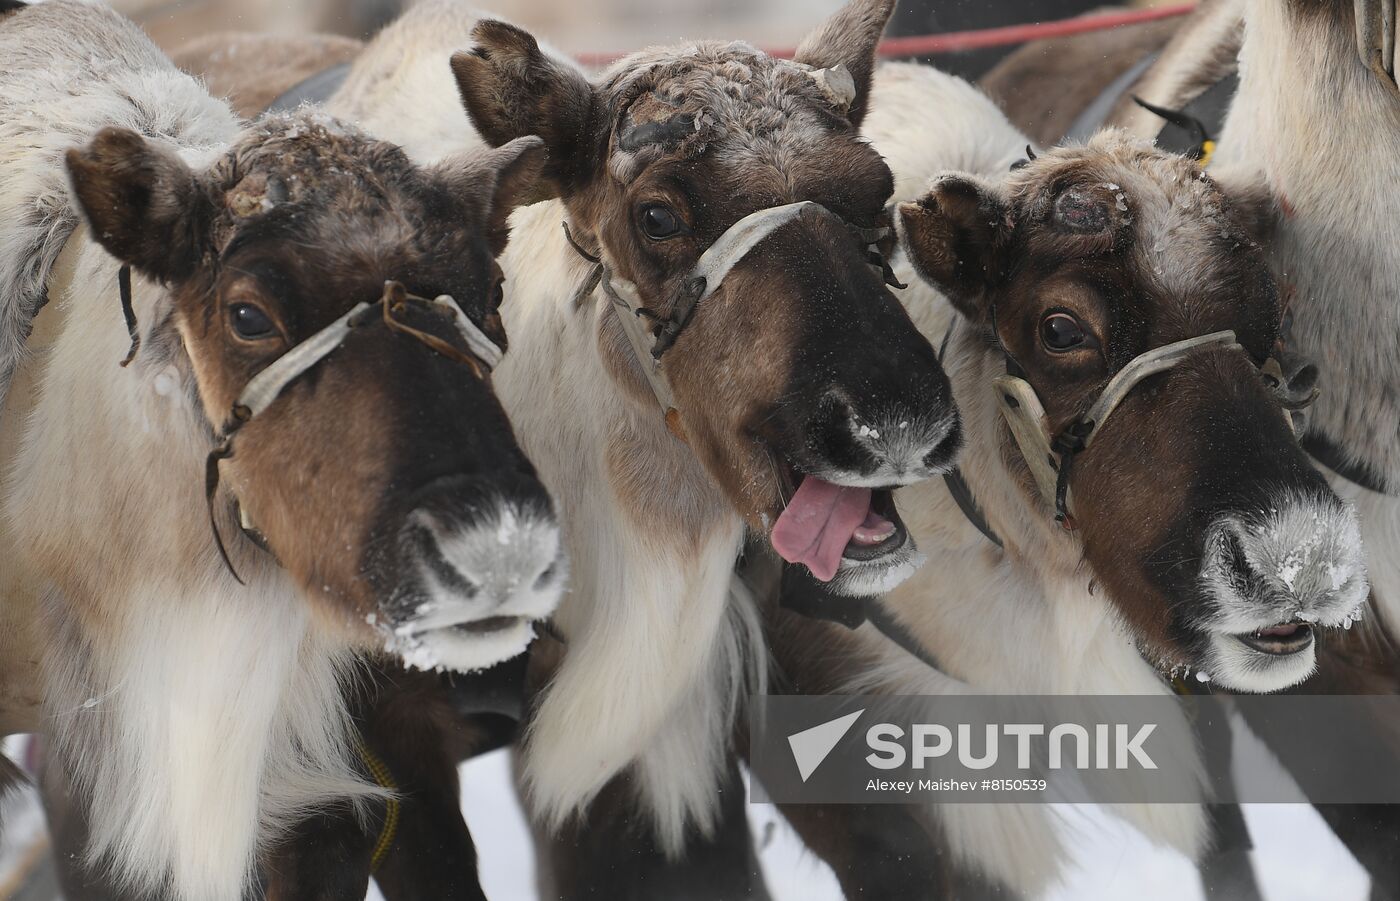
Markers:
point(945, 454)
point(464, 500)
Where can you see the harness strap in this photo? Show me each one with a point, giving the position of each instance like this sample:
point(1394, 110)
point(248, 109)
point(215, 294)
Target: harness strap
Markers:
point(803, 595)
point(627, 304)
point(718, 260)
point(1050, 457)
point(265, 387)
point(887, 625)
point(128, 313)
point(957, 486)
point(380, 773)
point(714, 265)
point(962, 496)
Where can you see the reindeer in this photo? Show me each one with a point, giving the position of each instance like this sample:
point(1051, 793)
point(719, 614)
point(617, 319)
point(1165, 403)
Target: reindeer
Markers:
point(1199, 535)
point(791, 394)
point(311, 322)
point(697, 388)
point(674, 166)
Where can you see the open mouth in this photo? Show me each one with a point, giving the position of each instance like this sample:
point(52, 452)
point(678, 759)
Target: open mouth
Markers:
point(1282, 640)
point(824, 524)
point(463, 646)
point(487, 626)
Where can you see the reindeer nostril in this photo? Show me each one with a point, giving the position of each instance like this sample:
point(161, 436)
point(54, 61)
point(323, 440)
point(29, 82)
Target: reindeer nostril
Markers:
point(1233, 553)
point(1304, 380)
point(546, 577)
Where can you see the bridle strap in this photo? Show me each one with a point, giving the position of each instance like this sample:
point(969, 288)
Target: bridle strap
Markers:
point(719, 259)
point(957, 485)
point(133, 330)
point(802, 595)
point(1050, 457)
point(1148, 364)
point(627, 304)
point(265, 387)
point(268, 385)
point(714, 265)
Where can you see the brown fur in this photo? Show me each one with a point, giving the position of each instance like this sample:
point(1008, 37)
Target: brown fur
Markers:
point(753, 115)
point(1044, 85)
point(410, 726)
point(221, 237)
point(1079, 232)
point(252, 70)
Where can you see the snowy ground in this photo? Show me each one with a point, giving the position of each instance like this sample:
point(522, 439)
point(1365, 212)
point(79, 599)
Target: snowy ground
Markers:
point(1296, 857)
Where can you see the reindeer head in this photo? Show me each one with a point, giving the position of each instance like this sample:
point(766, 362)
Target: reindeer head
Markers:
point(1197, 509)
point(384, 474)
point(795, 376)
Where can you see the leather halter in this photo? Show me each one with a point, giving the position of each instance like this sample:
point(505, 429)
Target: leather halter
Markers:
point(1051, 456)
point(718, 260)
point(265, 387)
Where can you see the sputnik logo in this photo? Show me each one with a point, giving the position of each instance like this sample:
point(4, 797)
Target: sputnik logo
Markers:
point(811, 746)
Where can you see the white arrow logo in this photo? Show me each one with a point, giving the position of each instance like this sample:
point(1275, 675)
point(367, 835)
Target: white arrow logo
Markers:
point(811, 746)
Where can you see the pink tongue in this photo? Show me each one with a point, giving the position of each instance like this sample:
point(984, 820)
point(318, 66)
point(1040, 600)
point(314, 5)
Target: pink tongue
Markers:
point(818, 523)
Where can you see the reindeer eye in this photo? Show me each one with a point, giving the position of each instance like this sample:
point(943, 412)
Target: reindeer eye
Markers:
point(660, 222)
point(250, 322)
point(1061, 332)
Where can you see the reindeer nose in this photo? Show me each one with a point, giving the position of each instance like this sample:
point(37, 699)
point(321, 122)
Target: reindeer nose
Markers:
point(485, 573)
point(903, 445)
point(1302, 562)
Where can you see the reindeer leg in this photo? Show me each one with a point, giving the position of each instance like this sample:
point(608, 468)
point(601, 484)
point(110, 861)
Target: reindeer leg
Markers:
point(609, 854)
point(1227, 872)
point(325, 858)
point(1371, 832)
point(415, 728)
point(881, 853)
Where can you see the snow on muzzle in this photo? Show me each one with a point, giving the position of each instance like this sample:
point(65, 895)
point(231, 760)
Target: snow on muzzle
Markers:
point(479, 578)
point(1272, 582)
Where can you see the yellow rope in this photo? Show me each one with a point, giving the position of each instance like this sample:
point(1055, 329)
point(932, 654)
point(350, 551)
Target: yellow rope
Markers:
point(380, 771)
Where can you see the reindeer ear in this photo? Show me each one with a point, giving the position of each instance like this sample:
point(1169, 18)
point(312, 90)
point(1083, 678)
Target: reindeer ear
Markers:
point(498, 181)
point(511, 89)
point(849, 39)
point(951, 235)
point(143, 203)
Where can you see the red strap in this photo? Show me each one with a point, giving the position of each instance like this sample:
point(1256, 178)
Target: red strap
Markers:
point(954, 41)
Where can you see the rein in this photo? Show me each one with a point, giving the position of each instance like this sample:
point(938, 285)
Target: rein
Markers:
point(383, 777)
point(265, 387)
